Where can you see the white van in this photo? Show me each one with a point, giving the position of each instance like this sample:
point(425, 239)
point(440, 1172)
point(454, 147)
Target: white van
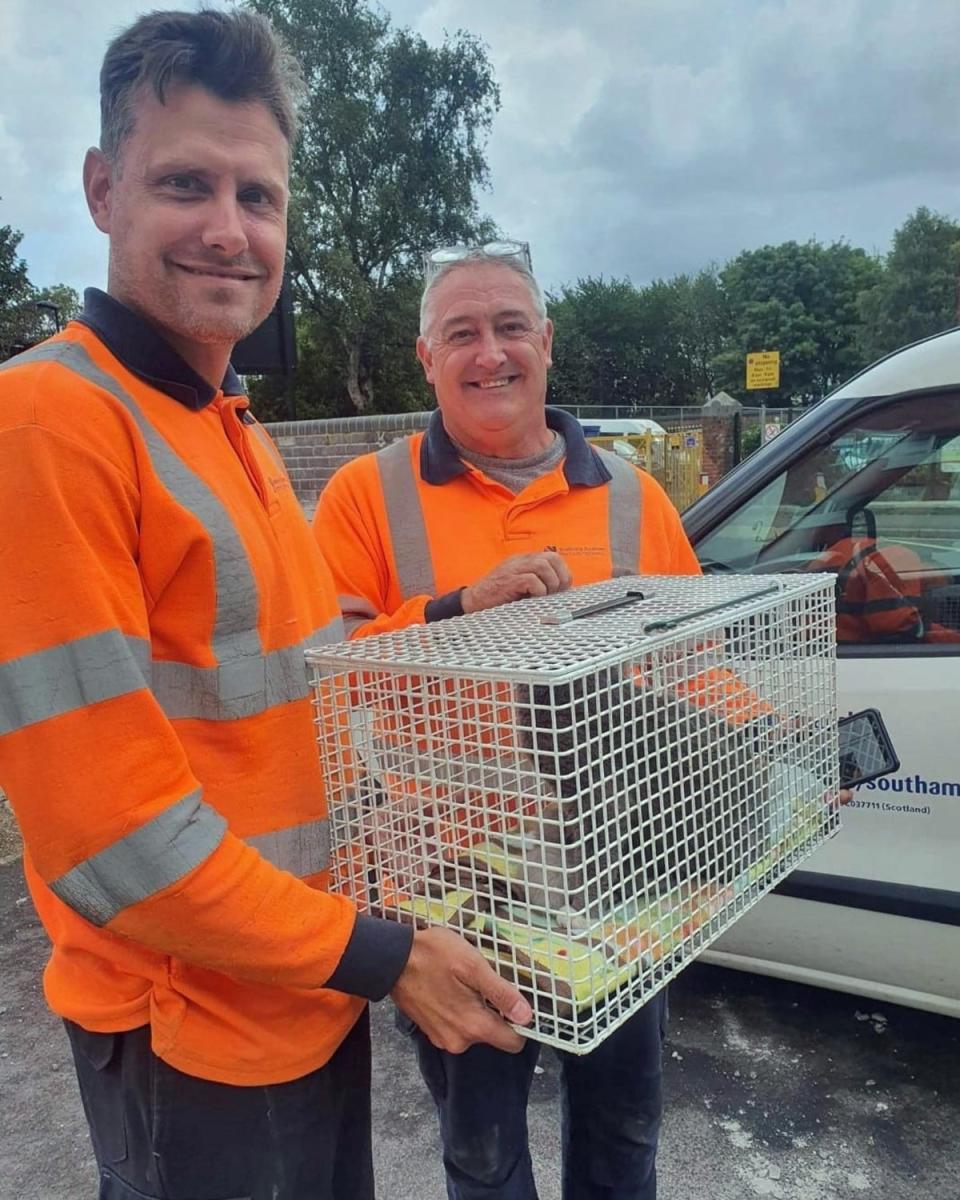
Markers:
point(618, 426)
point(867, 484)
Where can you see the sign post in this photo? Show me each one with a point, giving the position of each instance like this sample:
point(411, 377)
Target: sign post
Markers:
point(763, 371)
point(763, 375)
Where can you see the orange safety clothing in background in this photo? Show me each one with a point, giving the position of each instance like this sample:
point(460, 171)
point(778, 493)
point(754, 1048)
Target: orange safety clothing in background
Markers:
point(158, 585)
point(880, 592)
point(406, 528)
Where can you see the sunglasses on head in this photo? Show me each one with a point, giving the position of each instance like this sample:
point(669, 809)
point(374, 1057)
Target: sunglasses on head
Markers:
point(436, 260)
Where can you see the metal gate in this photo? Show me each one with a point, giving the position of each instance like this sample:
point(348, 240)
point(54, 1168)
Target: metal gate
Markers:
point(675, 460)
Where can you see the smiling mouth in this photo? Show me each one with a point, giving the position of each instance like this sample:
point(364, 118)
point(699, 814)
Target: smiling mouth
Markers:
point(210, 273)
point(491, 385)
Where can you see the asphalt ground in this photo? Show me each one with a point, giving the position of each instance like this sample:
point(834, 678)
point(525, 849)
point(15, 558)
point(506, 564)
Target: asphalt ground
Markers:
point(773, 1090)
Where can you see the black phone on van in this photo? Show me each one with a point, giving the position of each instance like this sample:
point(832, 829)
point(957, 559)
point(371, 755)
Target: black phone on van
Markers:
point(866, 751)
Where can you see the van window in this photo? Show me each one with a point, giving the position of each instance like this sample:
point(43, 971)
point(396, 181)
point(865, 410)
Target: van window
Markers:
point(879, 507)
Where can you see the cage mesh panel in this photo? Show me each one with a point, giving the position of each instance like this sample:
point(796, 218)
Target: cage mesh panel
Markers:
point(590, 801)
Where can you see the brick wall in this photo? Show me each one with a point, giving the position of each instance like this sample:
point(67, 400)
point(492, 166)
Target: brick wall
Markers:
point(313, 450)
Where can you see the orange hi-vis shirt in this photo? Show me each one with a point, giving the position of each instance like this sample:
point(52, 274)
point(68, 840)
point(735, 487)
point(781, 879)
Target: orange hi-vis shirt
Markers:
point(406, 528)
point(158, 585)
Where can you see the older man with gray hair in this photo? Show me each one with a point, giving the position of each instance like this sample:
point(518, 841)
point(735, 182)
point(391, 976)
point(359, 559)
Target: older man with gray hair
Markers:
point(500, 498)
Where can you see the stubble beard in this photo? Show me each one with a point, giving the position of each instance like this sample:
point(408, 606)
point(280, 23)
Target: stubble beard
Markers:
point(219, 319)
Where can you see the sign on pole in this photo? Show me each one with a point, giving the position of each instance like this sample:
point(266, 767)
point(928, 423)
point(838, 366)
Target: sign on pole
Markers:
point(763, 370)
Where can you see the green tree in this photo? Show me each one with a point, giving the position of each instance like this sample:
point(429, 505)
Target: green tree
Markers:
point(15, 290)
point(390, 156)
point(596, 352)
point(703, 325)
point(56, 304)
point(800, 299)
point(25, 313)
point(318, 388)
point(617, 344)
point(917, 294)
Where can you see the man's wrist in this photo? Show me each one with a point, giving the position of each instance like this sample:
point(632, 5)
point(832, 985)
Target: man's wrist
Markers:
point(374, 958)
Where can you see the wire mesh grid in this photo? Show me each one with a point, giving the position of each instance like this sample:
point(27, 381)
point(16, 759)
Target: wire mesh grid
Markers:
point(589, 797)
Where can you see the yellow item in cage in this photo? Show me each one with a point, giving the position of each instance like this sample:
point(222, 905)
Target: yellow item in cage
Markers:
point(496, 860)
point(440, 910)
point(569, 969)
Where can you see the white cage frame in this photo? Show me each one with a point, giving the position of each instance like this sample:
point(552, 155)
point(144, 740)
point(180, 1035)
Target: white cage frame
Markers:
point(485, 773)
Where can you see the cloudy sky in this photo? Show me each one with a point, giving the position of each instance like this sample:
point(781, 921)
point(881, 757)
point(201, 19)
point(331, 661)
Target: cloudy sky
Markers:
point(636, 138)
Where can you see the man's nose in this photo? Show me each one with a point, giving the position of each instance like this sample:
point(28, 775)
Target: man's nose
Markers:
point(224, 229)
point(490, 353)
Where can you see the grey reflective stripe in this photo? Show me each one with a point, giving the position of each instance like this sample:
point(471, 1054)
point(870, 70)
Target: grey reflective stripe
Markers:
point(408, 531)
point(239, 689)
point(302, 849)
point(235, 623)
point(330, 633)
point(143, 863)
point(625, 511)
point(45, 352)
point(72, 675)
point(246, 681)
point(242, 688)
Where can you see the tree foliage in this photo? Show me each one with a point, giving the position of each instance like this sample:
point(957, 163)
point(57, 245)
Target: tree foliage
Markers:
point(616, 344)
point(390, 156)
point(917, 294)
point(15, 289)
point(26, 315)
point(318, 388)
point(800, 299)
point(829, 309)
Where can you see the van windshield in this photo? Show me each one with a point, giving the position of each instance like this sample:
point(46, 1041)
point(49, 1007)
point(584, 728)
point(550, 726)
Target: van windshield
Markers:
point(886, 493)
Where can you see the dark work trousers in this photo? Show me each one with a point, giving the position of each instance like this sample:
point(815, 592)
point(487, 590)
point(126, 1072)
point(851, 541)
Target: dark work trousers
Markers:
point(163, 1135)
point(611, 1109)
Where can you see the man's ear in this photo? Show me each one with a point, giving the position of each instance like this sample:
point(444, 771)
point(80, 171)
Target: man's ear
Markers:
point(98, 187)
point(548, 341)
point(426, 358)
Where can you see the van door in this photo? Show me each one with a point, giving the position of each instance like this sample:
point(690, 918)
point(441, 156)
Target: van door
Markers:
point(878, 505)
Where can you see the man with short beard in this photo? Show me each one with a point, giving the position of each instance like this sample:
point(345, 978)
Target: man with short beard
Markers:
point(158, 584)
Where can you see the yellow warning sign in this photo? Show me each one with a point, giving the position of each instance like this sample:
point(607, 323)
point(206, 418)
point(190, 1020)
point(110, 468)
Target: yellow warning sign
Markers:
point(763, 370)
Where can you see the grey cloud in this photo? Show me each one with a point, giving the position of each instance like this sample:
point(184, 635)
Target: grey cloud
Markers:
point(635, 138)
point(802, 105)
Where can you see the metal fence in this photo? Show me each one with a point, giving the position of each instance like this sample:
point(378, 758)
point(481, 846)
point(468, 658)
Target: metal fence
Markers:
point(674, 459)
point(669, 416)
point(761, 425)
point(673, 417)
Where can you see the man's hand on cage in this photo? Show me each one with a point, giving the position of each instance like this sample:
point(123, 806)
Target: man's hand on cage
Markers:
point(451, 991)
point(516, 577)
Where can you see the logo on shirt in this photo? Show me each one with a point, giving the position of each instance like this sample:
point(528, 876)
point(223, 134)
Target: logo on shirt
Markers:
point(578, 550)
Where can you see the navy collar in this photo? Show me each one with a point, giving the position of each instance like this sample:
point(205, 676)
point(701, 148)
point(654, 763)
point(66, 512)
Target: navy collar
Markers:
point(143, 351)
point(582, 467)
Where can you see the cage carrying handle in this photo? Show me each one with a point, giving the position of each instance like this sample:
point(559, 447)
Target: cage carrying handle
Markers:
point(672, 622)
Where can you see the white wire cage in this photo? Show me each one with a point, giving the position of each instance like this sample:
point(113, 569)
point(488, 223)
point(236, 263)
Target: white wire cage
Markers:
point(589, 787)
